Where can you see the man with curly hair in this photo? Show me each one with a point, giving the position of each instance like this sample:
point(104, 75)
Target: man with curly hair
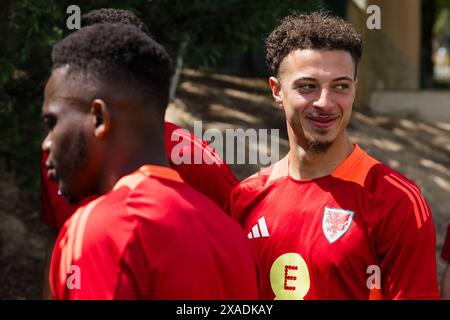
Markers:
point(148, 235)
point(328, 221)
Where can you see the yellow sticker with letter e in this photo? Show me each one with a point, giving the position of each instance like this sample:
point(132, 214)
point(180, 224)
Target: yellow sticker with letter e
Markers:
point(289, 277)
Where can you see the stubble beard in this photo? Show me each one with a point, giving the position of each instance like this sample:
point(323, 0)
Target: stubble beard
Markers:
point(77, 155)
point(318, 147)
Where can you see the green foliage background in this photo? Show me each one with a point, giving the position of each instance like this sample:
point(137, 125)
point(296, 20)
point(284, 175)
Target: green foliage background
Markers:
point(442, 24)
point(29, 28)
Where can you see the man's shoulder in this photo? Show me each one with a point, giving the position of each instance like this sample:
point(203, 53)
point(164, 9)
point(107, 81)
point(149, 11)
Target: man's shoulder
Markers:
point(173, 203)
point(385, 185)
point(99, 218)
point(254, 188)
point(393, 191)
point(383, 179)
point(255, 182)
point(115, 219)
point(377, 177)
point(265, 176)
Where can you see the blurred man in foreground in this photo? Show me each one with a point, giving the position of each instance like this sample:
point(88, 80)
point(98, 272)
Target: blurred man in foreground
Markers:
point(148, 235)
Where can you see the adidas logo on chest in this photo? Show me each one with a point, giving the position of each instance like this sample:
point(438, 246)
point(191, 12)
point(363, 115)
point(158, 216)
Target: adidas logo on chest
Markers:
point(259, 230)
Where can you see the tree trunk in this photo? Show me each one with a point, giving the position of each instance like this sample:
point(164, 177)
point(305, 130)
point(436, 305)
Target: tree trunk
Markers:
point(428, 19)
point(178, 66)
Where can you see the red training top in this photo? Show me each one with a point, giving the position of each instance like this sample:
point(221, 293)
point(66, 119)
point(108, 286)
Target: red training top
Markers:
point(364, 231)
point(152, 237)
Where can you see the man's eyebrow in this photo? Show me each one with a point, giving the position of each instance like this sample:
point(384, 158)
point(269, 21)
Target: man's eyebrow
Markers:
point(305, 78)
point(73, 99)
point(296, 81)
point(344, 78)
point(314, 79)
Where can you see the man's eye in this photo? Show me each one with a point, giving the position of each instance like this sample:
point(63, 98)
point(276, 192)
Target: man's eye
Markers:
point(306, 87)
point(342, 86)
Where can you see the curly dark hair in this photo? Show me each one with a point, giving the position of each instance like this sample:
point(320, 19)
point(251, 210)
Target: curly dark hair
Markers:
point(121, 54)
point(110, 15)
point(318, 30)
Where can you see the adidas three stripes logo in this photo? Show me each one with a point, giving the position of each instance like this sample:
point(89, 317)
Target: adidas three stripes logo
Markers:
point(259, 229)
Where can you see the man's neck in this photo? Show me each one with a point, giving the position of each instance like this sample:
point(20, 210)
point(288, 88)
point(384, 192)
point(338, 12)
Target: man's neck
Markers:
point(306, 164)
point(132, 155)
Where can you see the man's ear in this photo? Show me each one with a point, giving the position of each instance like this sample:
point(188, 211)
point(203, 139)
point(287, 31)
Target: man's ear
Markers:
point(101, 118)
point(276, 91)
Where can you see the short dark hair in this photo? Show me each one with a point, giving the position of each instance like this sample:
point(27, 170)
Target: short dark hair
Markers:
point(117, 53)
point(318, 30)
point(110, 15)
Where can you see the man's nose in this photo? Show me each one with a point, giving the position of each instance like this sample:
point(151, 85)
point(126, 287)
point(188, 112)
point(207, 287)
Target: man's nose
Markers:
point(325, 100)
point(46, 144)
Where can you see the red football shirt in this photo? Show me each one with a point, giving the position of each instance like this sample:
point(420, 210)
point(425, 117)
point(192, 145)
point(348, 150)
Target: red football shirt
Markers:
point(446, 248)
point(365, 231)
point(212, 177)
point(152, 237)
point(206, 172)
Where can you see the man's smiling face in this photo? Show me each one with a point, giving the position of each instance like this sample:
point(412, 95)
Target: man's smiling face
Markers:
point(316, 89)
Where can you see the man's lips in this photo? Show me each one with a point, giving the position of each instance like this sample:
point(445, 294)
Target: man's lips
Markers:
point(51, 174)
point(322, 121)
point(51, 171)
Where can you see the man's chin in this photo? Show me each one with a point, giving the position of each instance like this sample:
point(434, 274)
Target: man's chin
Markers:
point(67, 193)
point(77, 197)
point(319, 146)
point(67, 196)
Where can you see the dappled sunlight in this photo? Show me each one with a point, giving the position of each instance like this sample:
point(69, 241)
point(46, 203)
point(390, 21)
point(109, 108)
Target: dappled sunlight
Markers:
point(393, 163)
point(443, 126)
point(372, 120)
point(442, 183)
point(429, 129)
point(405, 135)
point(400, 133)
point(256, 98)
point(407, 124)
point(256, 83)
point(359, 139)
point(193, 88)
point(387, 145)
point(430, 164)
point(177, 113)
point(216, 108)
point(444, 142)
